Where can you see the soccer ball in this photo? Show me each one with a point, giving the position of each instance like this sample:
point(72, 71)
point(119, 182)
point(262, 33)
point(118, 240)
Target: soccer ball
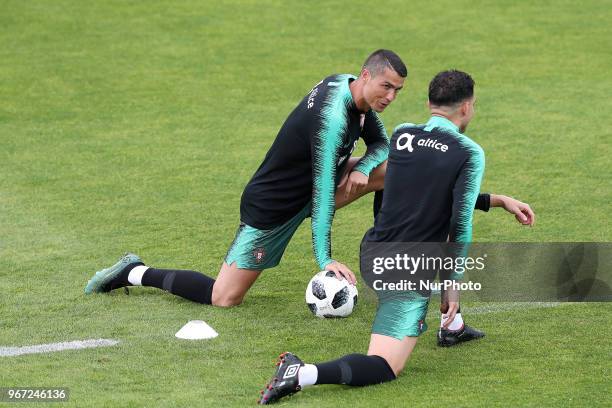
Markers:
point(327, 296)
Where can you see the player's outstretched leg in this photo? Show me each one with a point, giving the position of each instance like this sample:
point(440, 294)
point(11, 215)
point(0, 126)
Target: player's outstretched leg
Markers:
point(131, 271)
point(385, 360)
point(228, 290)
point(457, 332)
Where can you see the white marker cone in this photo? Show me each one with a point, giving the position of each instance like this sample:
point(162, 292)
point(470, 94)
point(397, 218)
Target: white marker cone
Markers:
point(196, 330)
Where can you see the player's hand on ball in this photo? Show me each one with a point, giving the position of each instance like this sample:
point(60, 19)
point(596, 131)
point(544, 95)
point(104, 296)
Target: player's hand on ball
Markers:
point(355, 182)
point(522, 212)
point(341, 271)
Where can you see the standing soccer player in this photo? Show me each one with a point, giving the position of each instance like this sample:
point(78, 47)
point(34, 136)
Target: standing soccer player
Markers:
point(434, 206)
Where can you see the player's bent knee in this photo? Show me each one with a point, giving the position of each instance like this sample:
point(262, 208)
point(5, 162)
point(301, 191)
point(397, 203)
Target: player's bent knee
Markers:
point(226, 298)
point(397, 370)
point(226, 301)
point(232, 285)
point(396, 366)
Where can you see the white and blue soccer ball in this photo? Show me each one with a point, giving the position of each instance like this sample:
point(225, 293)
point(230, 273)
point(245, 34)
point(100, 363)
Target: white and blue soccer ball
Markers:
point(326, 296)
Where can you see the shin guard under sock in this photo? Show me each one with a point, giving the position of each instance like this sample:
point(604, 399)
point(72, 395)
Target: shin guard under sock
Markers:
point(356, 370)
point(190, 285)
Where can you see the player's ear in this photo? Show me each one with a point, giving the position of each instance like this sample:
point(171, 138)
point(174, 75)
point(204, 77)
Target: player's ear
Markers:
point(365, 74)
point(465, 107)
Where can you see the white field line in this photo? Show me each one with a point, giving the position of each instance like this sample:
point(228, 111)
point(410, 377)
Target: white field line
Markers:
point(53, 347)
point(502, 307)
point(83, 344)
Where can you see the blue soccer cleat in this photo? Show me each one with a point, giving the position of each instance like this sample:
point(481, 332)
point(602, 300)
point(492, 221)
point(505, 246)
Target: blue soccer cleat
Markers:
point(114, 277)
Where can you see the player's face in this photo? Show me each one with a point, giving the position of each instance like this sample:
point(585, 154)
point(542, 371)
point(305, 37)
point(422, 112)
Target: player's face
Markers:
point(380, 90)
point(468, 110)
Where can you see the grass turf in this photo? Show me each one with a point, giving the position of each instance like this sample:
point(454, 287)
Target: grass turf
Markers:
point(130, 126)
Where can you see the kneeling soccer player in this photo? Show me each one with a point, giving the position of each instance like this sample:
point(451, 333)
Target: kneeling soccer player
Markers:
point(308, 172)
point(433, 177)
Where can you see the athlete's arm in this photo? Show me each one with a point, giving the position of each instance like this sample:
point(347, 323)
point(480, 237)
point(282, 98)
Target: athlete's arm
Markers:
point(522, 211)
point(483, 202)
point(377, 143)
point(450, 302)
point(465, 194)
point(325, 152)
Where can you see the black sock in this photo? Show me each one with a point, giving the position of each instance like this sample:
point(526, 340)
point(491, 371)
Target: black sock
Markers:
point(122, 278)
point(356, 370)
point(190, 285)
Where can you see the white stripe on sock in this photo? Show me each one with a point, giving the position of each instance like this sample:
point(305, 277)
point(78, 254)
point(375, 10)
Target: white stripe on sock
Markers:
point(135, 276)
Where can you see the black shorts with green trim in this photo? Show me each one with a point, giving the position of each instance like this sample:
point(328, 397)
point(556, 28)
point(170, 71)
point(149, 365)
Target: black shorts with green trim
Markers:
point(258, 249)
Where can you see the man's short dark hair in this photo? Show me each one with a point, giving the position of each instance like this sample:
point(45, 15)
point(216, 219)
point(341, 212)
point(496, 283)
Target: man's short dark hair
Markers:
point(381, 59)
point(450, 88)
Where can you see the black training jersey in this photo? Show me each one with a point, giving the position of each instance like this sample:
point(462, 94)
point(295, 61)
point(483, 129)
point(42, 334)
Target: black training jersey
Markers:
point(306, 161)
point(431, 185)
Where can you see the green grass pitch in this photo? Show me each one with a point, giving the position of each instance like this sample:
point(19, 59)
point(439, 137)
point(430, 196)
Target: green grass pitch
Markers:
point(135, 125)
